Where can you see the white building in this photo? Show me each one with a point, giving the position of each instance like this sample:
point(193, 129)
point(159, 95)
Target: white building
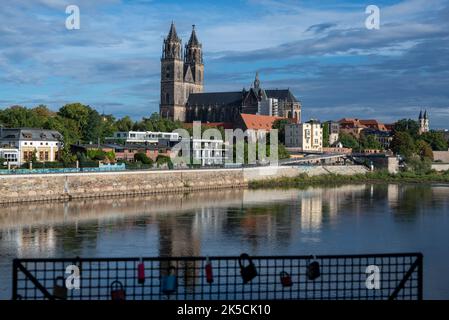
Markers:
point(10, 155)
point(268, 107)
point(307, 137)
point(144, 136)
point(23, 143)
point(207, 151)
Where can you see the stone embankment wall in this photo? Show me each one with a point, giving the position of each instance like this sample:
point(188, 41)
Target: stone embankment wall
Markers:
point(46, 187)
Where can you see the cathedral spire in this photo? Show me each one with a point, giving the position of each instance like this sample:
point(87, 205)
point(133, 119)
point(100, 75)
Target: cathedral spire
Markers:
point(172, 35)
point(193, 41)
point(420, 115)
point(257, 81)
point(193, 49)
point(172, 45)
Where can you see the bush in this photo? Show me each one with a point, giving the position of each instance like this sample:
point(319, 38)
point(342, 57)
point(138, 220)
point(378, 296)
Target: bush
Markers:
point(142, 157)
point(88, 164)
point(41, 165)
point(161, 160)
point(98, 154)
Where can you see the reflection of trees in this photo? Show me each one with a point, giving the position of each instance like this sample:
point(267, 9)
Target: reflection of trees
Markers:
point(413, 199)
point(74, 238)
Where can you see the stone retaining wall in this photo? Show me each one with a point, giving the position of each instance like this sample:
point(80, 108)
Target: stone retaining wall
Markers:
point(46, 187)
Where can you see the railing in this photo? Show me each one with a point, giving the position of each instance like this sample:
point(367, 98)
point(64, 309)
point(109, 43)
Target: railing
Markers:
point(376, 276)
point(105, 168)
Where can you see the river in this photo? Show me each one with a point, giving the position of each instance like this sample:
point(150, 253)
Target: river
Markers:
point(347, 219)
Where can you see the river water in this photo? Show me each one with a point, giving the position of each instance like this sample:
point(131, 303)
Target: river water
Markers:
point(334, 220)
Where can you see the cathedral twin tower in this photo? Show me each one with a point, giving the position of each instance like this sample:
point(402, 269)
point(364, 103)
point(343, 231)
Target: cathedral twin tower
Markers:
point(182, 73)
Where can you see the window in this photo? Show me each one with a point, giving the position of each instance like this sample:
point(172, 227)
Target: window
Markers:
point(167, 97)
point(41, 155)
point(167, 72)
point(46, 156)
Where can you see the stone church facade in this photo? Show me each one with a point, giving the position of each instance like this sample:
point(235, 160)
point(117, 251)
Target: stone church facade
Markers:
point(182, 83)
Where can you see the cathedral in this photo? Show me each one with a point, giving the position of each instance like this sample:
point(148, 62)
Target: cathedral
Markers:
point(183, 99)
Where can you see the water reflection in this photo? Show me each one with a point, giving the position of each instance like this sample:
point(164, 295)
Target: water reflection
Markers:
point(346, 219)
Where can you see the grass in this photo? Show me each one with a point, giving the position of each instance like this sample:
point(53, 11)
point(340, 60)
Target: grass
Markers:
point(303, 180)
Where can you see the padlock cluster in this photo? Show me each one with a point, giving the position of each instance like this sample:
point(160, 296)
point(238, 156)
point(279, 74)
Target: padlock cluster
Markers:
point(169, 282)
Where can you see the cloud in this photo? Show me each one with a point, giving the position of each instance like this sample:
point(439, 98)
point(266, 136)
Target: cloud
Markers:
point(320, 50)
point(318, 28)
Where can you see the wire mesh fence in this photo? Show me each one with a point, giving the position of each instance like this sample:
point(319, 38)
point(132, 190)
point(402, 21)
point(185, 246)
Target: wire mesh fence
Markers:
point(398, 276)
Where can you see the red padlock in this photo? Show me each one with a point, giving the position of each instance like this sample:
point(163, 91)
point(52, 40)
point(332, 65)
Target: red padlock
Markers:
point(286, 279)
point(209, 274)
point(141, 272)
point(118, 293)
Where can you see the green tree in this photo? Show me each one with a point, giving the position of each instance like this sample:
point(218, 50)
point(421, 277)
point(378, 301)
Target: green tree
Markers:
point(326, 134)
point(76, 112)
point(142, 157)
point(92, 130)
point(349, 141)
point(418, 165)
point(280, 126)
point(403, 144)
point(424, 150)
point(369, 142)
point(407, 125)
point(124, 124)
point(436, 140)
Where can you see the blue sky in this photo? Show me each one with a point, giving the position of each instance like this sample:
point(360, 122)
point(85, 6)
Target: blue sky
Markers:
point(321, 50)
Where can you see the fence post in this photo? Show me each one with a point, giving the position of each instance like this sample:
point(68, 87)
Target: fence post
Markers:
point(14, 279)
point(420, 276)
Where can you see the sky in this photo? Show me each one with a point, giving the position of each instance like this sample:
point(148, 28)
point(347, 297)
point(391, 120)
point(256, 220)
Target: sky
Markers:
point(321, 50)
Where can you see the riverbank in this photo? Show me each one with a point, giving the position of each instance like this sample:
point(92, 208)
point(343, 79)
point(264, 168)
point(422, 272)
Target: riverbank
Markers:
point(65, 187)
point(331, 179)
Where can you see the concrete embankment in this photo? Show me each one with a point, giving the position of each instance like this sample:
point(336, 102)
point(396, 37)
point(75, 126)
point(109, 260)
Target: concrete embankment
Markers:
point(63, 187)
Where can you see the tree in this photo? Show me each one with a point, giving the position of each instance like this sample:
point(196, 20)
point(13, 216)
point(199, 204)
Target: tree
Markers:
point(424, 150)
point(326, 134)
point(407, 125)
point(124, 124)
point(76, 112)
point(142, 157)
point(436, 140)
point(18, 116)
point(348, 140)
point(418, 165)
point(92, 130)
point(369, 142)
point(280, 126)
point(403, 144)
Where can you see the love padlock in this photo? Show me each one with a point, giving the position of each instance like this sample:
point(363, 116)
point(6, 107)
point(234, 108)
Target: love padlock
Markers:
point(248, 272)
point(170, 281)
point(286, 279)
point(313, 270)
point(141, 273)
point(118, 293)
point(209, 274)
point(60, 289)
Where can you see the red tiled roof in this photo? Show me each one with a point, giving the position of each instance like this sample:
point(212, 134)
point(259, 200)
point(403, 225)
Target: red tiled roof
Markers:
point(224, 125)
point(258, 122)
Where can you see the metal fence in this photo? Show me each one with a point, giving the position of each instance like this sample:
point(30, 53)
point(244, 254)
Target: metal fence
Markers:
point(400, 276)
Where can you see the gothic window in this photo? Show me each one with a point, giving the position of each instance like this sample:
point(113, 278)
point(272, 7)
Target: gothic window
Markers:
point(167, 72)
point(167, 98)
point(199, 76)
